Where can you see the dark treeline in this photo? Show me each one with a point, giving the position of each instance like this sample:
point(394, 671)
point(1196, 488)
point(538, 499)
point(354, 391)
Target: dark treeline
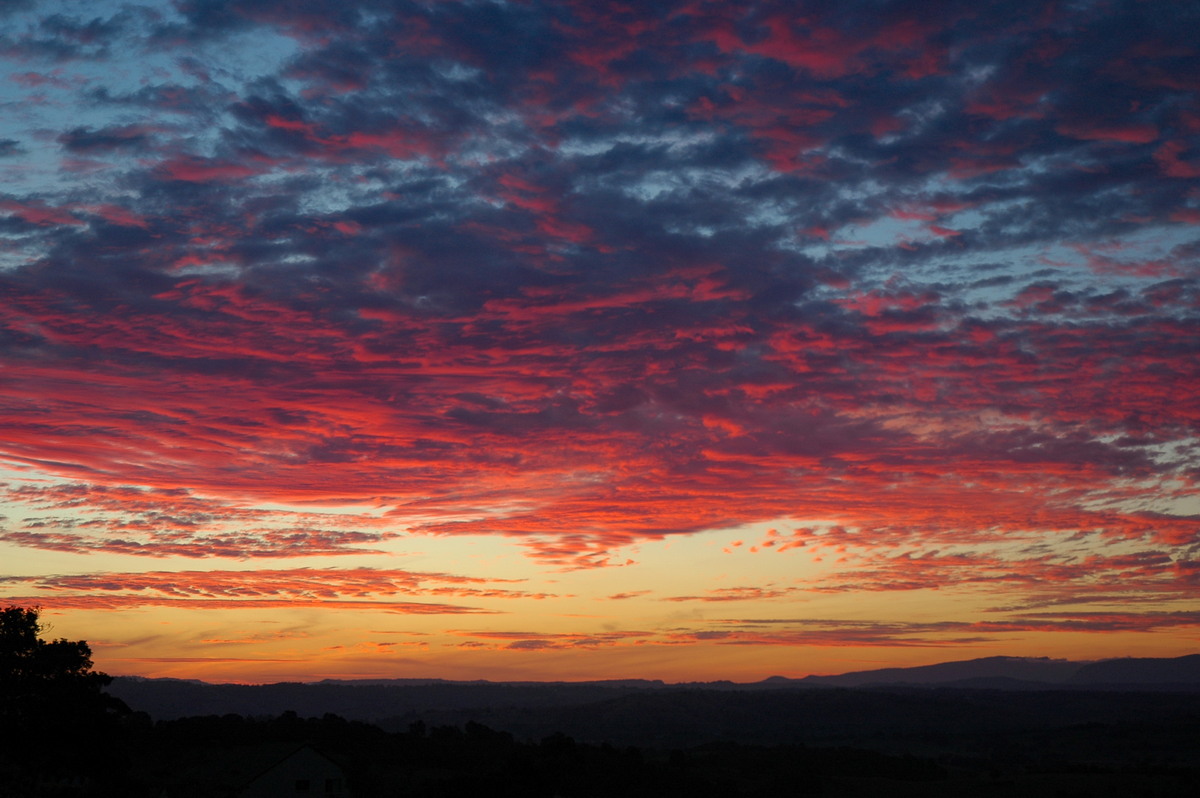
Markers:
point(680, 716)
point(475, 760)
point(221, 756)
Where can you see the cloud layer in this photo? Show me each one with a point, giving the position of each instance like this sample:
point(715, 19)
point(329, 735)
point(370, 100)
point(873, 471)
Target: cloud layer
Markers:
point(592, 275)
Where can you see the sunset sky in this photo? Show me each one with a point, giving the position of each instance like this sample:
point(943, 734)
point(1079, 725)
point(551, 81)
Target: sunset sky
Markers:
point(514, 339)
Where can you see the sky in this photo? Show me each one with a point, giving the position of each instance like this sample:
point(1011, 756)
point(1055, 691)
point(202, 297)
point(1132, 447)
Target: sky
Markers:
point(503, 339)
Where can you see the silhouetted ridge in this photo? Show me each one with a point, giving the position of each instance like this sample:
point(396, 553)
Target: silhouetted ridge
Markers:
point(1141, 671)
point(373, 698)
point(1029, 669)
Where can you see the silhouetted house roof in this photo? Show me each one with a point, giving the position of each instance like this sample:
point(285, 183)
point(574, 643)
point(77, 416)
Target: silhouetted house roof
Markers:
point(270, 770)
point(305, 773)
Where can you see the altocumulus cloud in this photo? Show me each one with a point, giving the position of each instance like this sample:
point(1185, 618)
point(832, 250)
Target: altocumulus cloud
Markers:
point(589, 274)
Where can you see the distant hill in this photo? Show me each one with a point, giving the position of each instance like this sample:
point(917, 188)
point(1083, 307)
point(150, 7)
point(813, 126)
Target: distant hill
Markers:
point(1037, 670)
point(1033, 673)
point(400, 701)
point(1176, 672)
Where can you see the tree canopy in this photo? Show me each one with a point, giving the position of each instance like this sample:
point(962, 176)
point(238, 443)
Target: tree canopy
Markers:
point(54, 713)
point(29, 664)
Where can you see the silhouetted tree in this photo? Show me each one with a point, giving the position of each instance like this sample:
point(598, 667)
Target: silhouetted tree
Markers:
point(30, 666)
point(55, 717)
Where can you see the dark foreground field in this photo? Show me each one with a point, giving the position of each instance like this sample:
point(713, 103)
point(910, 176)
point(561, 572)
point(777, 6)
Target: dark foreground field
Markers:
point(629, 740)
point(196, 756)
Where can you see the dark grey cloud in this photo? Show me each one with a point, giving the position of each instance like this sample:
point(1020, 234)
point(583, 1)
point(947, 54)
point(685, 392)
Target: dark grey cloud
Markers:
point(88, 140)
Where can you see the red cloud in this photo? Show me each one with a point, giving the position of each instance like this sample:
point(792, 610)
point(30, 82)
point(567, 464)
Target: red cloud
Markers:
point(451, 298)
point(827, 52)
point(116, 214)
point(193, 169)
point(1170, 160)
point(1098, 131)
point(363, 588)
point(539, 641)
point(39, 213)
point(172, 523)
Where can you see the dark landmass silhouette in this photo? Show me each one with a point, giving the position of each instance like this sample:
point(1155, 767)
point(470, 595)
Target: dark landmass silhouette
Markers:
point(366, 699)
point(1022, 670)
point(995, 726)
point(992, 726)
point(1177, 673)
point(994, 695)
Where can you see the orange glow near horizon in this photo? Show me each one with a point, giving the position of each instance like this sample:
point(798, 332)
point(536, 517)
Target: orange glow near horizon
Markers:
point(763, 610)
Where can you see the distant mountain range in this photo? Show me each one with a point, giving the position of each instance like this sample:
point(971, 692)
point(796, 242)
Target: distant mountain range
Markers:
point(997, 672)
point(396, 702)
point(1029, 673)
